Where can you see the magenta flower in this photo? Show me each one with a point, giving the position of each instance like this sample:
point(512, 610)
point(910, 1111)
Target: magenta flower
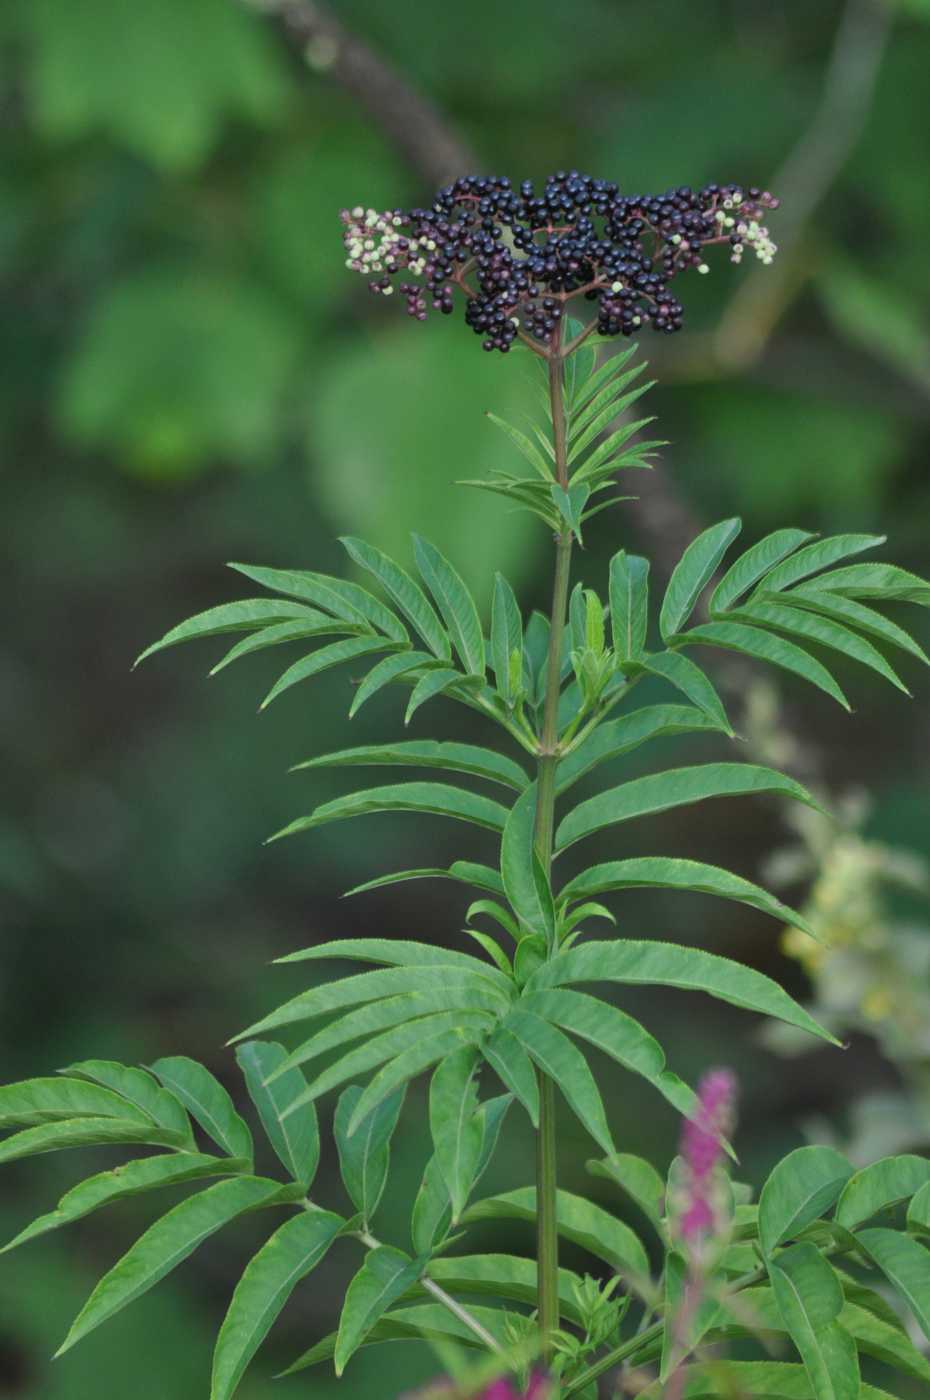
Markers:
point(504, 1389)
point(702, 1152)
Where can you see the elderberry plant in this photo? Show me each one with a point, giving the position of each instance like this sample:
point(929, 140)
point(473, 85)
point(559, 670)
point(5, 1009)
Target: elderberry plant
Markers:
point(800, 1266)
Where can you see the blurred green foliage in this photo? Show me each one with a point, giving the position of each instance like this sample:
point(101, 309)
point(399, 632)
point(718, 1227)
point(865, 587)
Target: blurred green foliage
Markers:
point(190, 376)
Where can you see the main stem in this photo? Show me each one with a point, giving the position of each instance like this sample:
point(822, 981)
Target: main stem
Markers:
point(548, 1239)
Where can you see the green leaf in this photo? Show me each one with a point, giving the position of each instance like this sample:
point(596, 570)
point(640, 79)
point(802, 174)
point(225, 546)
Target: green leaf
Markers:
point(667, 965)
point(370, 986)
point(525, 882)
point(629, 604)
point(422, 1320)
point(506, 635)
point(918, 1212)
point(556, 1056)
point(638, 1178)
point(570, 504)
point(523, 445)
point(883, 581)
point(814, 557)
point(311, 587)
point(365, 1154)
point(349, 649)
point(755, 642)
point(801, 1188)
point(86, 1132)
point(398, 952)
point(141, 1089)
point(823, 631)
point(810, 1299)
point(431, 1218)
point(295, 1136)
point(686, 1321)
point(678, 787)
point(616, 1034)
point(145, 1174)
point(425, 873)
point(455, 603)
point(279, 633)
point(229, 617)
point(686, 676)
point(493, 949)
point(491, 910)
point(399, 1040)
point(879, 1334)
point(588, 389)
point(663, 872)
point(619, 736)
point(502, 1276)
point(693, 573)
point(507, 1057)
point(270, 1277)
point(439, 798)
point(600, 1233)
point(406, 592)
point(207, 1102)
point(754, 564)
point(601, 412)
point(389, 669)
point(434, 683)
point(764, 1380)
point(906, 1265)
point(379, 1016)
point(847, 610)
point(336, 595)
point(35, 1101)
point(427, 753)
point(604, 460)
point(456, 1129)
point(165, 1244)
point(468, 1030)
point(879, 1186)
point(383, 1278)
point(432, 1209)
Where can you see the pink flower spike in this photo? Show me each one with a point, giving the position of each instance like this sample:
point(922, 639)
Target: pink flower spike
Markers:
point(702, 1151)
point(501, 1389)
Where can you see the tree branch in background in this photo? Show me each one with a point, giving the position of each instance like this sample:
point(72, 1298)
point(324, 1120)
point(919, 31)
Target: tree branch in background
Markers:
point(404, 116)
point(802, 183)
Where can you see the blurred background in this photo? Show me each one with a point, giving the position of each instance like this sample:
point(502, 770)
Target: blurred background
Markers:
point(190, 376)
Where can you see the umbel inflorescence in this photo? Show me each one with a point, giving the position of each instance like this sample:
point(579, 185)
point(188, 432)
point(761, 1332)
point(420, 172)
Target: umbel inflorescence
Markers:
point(519, 256)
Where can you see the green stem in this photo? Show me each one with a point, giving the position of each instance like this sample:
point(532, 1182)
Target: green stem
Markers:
point(441, 1296)
point(546, 1180)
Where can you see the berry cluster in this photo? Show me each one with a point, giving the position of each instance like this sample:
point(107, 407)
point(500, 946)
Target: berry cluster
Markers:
point(519, 256)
